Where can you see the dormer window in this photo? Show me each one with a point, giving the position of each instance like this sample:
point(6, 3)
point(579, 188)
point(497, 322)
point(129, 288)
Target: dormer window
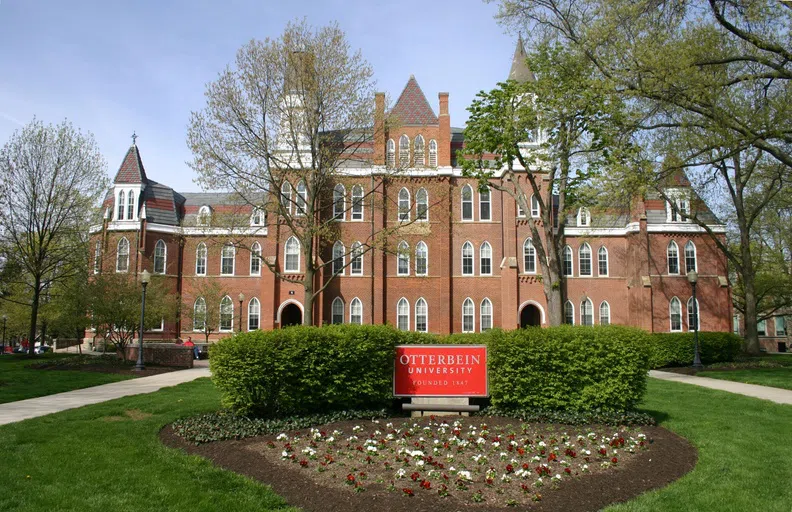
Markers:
point(258, 218)
point(678, 206)
point(121, 205)
point(130, 205)
point(583, 218)
point(204, 216)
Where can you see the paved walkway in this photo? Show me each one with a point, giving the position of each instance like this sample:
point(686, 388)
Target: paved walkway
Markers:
point(34, 407)
point(777, 395)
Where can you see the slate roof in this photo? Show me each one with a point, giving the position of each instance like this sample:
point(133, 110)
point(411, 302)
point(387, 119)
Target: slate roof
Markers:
point(131, 170)
point(412, 109)
point(163, 204)
point(519, 69)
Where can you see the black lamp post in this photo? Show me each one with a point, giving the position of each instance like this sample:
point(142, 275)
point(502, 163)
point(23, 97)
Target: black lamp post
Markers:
point(5, 317)
point(144, 280)
point(693, 278)
point(241, 300)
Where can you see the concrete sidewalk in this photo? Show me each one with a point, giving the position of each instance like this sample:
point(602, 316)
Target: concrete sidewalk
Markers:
point(35, 407)
point(777, 395)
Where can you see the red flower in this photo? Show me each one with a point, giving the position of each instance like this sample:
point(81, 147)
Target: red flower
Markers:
point(520, 451)
point(408, 491)
point(614, 460)
point(426, 484)
point(350, 479)
point(551, 457)
point(568, 471)
point(525, 488)
point(415, 476)
point(603, 451)
point(509, 468)
point(525, 466)
point(303, 463)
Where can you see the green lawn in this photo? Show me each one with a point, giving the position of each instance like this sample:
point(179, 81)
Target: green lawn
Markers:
point(774, 377)
point(19, 383)
point(101, 458)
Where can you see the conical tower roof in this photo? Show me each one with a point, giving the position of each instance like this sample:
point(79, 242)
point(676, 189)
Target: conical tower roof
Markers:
point(131, 170)
point(519, 68)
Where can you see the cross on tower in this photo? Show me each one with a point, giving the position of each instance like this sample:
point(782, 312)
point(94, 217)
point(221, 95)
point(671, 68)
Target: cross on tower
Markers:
point(134, 138)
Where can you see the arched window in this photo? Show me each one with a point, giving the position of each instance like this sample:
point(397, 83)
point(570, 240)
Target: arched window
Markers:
point(302, 196)
point(356, 312)
point(602, 259)
point(404, 151)
point(254, 314)
point(390, 158)
point(694, 323)
point(485, 259)
point(357, 202)
point(432, 153)
point(673, 258)
point(403, 259)
point(226, 314)
point(485, 206)
point(467, 202)
point(403, 315)
point(97, 256)
point(468, 316)
point(421, 316)
point(604, 313)
point(200, 260)
point(404, 204)
point(199, 314)
point(418, 151)
point(675, 311)
point(467, 259)
point(567, 261)
point(691, 265)
point(583, 217)
point(535, 209)
point(422, 205)
point(291, 253)
point(337, 311)
point(121, 205)
point(520, 211)
point(421, 259)
point(584, 254)
point(339, 202)
point(569, 313)
point(122, 255)
point(160, 253)
point(586, 312)
point(227, 257)
point(204, 217)
point(356, 266)
point(286, 196)
point(130, 205)
point(255, 259)
point(529, 257)
point(485, 322)
point(258, 217)
point(339, 259)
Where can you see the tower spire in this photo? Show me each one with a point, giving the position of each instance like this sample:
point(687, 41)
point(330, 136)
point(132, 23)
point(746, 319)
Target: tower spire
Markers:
point(519, 68)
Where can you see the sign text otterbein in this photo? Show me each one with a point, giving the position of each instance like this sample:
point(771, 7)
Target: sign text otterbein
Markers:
point(440, 370)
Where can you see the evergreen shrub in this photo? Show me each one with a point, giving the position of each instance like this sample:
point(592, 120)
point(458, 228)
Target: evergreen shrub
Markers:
point(676, 348)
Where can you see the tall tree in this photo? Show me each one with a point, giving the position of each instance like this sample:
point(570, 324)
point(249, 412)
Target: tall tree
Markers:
point(204, 308)
point(711, 88)
point(282, 124)
point(51, 181)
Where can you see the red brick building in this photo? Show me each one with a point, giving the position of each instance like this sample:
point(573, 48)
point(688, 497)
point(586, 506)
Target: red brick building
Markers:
point(464, 263)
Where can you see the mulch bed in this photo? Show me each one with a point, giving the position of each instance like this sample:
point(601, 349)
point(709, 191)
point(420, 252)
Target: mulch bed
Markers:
point(668, 458)
point(119, 368)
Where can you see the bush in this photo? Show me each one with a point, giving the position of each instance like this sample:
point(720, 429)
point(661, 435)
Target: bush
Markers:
point(572, 368)
point(676, 349)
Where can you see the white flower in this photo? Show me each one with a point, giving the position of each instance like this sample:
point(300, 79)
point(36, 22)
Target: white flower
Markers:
point(585, 467)
point(352, 438)
point(496, 444)
point(420, 463)
point(372, 449)
point(505, 478)
point(357, 428)
point(557, 477)
point(284, 454)
point(481, 440)
point(464, 475)
point(400, 473)
point(330, 439)
point(281, 437)
point(310, 451)
point(416, 453)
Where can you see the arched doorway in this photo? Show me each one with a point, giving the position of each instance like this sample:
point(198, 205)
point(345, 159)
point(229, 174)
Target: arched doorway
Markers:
point(530, 316)
point(290, 315)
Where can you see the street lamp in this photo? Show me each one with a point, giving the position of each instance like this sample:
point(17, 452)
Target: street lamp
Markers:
point(5, 317)
point(241, 299)
point(144, 280)
point(693, 278)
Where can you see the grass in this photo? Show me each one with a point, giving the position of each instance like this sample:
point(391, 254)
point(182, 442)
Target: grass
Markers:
point(19, 383)
point(773, 377)
point(108, 457)
point(744, 451)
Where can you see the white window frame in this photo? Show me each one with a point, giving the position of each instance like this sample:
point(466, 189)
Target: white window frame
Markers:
point(255, 257)
point(293, 242)
point(583, 217)
point(761, 327)
point(286, 196)
point(97, 257)
point(301, 199)
point(118, 256)
point(584, 248)
point(358, 208)
point(338, 264)
point(673, 244)
point(254, 312)
point(471, 306)
point(352, 305)
point(418, 304)
point(390, 158)
point(697, 313)
point(472, 259)
point(421, 244)
point(220, 327)
point(586, 305)
point(404, 205)
point(536, 210)
point(681, 199)
point(339, 214)
point(567, 251)
point(482, 316)
point(233, 260)
point(403, 312)
point(121, 210)
point(695, 257)
point(198, 258)
point(605, 304)
point(202, 301)
point(600, 253)
point(161, 245)
point(337, 302)
point(258, 217)
point(485, 246)
point(432, 153)
point(488, 202)
point(204, 217)
point(529, 252)
point(130, 205)
point(568, 306)
point(403, 256)
point(404, 151)
point(422, 204)
point(783, 331)
point(356, 254)
point(419, 154)
point(467, 188)
point(674, 300)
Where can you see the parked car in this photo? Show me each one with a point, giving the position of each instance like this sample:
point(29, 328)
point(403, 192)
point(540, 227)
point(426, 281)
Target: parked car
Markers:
point(41, 349)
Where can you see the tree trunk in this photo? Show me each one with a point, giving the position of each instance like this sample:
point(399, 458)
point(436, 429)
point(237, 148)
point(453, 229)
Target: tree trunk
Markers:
point(309, 297)
point(34, 316)
point(751, 334)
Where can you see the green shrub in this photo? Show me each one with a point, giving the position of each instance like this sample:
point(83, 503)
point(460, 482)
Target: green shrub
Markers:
point(676, 349)
point(572, 368)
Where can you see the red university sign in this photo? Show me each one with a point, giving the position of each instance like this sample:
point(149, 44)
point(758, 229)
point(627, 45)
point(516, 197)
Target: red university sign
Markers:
point(440, 370)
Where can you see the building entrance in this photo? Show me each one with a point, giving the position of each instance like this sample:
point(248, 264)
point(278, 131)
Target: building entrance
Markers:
point(291, 315)
point(530, 316)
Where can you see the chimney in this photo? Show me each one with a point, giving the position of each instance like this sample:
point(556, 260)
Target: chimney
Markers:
point(444, 136)
point(379, 128)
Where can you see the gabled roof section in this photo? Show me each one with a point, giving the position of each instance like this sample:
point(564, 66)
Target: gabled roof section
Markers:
point(163, 204)
point(519, 68)
point(412, 109)
point(131, 170)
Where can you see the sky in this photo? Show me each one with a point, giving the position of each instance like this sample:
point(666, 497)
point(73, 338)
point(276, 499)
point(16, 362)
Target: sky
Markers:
point(116, 67)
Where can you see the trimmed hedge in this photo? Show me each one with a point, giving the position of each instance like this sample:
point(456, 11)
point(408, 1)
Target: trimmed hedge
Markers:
point(676, 349)
point(310, 370)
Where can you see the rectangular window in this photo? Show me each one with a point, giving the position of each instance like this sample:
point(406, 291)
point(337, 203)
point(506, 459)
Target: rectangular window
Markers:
point(356, 268)
point(255, 264)
point(780, 326)
point(485, 212)
point(357, 207)
point(761, 327)
point(736, 324)
point(486, 265)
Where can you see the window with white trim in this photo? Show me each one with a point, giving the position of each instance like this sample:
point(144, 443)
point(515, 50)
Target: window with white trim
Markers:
point(339, 202)
point(97, 257)
point(694, 320)
point(160, 253)
point(258, 217)
point(122, 256)
point(536, 211)
point(604, 313)
point(672, 255)
point(200, 260)
point(404, 204)
point(586, 312)
point(404, 151)
point(675, 312)
point(520, 210)
point(432, 153)
point(254, 314)
point(467, 202)
point(403, 259)
point(204, 217)
point(226, 314)
point(403, 315)
point(356, 312)
point(677, 206)
point(485, 206)
point(357, 202)
point(485, 321)
point(421, 259)
point(602, 260)
point(467, 259)
point(227, 257)
point(780, 326)
point(199, 314)
point(485, 259)
point(390, 158)
point(421, 316)
point(468, 316)
point(529, 257)
point(691, 264)
point(339, 259)
point(291, 253)
point(337, 311)
point(255, 259)
point(567, 262)
point(121, 205)
point(356, 266)
point(301, 198)
point(418, 151)
point(583, 217)
point(422, 205)
point(130, 205)
point(584, 256)
point(761, 327)
point(286, 196)
point(569, 313)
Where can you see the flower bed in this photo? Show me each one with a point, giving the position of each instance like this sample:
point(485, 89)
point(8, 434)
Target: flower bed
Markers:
point(505, 463)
